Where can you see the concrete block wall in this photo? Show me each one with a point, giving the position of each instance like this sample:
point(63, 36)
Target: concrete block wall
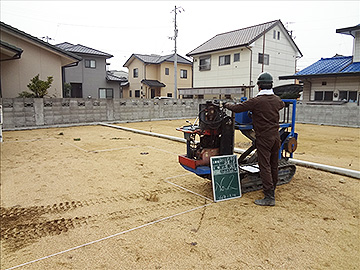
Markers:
point(347, 115)
point(23, 113)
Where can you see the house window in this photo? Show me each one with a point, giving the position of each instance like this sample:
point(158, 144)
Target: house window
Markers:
point(323, 83)
point(205, 63)
point(130, 93)
point(263, 58)
point(106, 93)
point(276, 35)
point(183, 73)
point(324, 95)
point(319, 95)
point(224, 60)
point(137, 93)
point(350, 96)
point(169, 94)
point(90, 63)
point(236, 57)
point(328, 95)
point(135, 72)
point(167, 72)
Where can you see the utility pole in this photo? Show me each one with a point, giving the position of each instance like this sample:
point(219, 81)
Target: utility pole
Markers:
point(175, 10)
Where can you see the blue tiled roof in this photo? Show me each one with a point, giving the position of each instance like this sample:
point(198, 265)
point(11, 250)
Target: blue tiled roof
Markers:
point(327, 65)
point(354, 67)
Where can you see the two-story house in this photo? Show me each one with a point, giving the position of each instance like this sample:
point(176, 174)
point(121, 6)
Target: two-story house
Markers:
point(153, 75)
point(334, 79)
point(228, 64)
point(23, 56)
point(89, 78)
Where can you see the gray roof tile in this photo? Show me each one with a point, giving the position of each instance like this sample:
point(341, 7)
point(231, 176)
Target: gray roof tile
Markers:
point(112, 77)
point(158, 59)
point(236, 38)
point(81, 49)
point(153, 83)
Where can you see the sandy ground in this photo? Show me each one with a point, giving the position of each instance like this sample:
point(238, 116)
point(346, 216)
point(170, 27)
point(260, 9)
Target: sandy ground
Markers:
point(95, 197)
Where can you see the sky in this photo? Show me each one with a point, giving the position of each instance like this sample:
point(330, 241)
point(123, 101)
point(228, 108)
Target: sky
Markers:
point(122, 28)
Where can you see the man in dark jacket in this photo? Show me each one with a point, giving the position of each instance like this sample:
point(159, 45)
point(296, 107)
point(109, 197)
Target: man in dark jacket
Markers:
point(265, 109)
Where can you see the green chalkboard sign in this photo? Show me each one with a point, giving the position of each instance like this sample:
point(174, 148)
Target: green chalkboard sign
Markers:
point(225, 177)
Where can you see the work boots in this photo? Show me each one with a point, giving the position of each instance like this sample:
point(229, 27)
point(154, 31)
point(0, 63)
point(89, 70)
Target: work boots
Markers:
point(269, 198)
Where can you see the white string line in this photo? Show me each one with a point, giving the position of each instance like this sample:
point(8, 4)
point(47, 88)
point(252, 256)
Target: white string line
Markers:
point(123, 232)
point(113, 149)
point(76, 146)
point(110, 236)
point(188, 190)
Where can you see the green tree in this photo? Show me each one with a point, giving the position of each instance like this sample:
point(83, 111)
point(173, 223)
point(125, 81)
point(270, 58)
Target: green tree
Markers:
point(67, 89)
point(38, 87)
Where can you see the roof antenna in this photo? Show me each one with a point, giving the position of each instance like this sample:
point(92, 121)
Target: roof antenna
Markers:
point(289, 31)
point(47, 38)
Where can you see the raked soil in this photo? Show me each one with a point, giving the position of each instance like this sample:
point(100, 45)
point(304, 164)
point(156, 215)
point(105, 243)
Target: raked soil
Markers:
point(95, 197)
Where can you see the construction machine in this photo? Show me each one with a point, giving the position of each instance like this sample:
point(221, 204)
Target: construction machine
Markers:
point(212, 134)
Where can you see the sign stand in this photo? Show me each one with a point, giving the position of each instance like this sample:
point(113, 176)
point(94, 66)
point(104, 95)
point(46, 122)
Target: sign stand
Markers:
point(225, 177)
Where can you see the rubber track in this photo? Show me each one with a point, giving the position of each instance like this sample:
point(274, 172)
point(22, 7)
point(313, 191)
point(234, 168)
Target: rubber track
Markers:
point(252, 181)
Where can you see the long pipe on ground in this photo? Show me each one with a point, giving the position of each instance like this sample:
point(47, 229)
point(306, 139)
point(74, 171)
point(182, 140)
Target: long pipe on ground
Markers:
point(318, 166)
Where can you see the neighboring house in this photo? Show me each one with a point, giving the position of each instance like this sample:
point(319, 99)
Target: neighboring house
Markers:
point(335, 79)
point(152, 76)
point(89, 78)
point(228, 64)
point(119, 73)
point(23, 57)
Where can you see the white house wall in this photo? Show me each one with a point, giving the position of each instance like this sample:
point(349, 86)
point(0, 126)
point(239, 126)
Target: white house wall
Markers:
point(282, 54)
point(330, 84)
point(235, 74)
point(356, 47)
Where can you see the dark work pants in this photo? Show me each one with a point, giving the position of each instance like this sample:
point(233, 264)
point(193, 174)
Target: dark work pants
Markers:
point(268, 156)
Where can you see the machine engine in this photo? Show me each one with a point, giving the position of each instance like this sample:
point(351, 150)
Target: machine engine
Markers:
point(215, 134)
